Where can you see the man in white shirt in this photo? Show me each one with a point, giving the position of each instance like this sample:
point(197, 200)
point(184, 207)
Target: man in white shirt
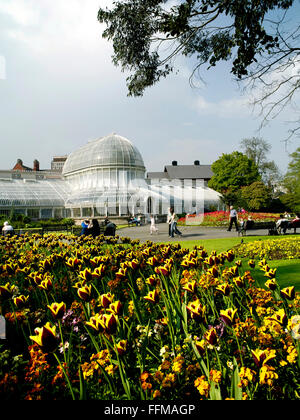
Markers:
point(233, 219)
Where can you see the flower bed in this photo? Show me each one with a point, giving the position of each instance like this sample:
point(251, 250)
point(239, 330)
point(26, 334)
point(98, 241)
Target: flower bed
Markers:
point(220, 218)
point(87, 319)
point(272, 249)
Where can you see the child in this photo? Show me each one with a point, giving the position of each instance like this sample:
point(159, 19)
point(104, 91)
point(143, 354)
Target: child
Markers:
point(153, 228)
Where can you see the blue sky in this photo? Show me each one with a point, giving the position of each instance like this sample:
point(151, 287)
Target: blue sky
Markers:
point(59, 89)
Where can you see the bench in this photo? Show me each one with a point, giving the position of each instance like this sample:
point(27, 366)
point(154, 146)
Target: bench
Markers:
point(251, 225)
point(294, 225)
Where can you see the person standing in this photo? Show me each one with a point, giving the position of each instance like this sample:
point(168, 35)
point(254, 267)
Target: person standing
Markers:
point(153, 228)
point(233, 219)
point(169, 220)
point(174, 220)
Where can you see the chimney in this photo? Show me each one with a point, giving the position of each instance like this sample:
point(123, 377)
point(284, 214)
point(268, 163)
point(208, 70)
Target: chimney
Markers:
point(36, 165)
point(197, 163)
point(174, 163)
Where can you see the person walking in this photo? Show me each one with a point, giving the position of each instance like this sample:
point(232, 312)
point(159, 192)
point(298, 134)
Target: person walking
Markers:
point(174, 220)
point(233, 219)
point(169, 220)
point(153, 228)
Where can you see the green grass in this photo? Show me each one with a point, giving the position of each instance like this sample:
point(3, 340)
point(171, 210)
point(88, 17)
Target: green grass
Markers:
point(224, 244)
point(288, 271)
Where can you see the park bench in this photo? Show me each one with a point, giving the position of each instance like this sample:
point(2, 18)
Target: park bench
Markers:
point(294, 225)
point(252, 225)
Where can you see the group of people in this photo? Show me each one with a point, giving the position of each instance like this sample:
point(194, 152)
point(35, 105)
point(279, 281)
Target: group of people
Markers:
point(92, 227)
point(172, 221)
point(283, 223)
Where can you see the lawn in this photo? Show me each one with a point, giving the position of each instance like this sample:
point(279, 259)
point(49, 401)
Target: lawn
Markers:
point(288, 271)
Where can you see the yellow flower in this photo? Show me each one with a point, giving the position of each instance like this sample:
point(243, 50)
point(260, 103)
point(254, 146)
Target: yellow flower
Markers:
point(202, 386)
point(246, 375)
point(57, 309)
point(267, 375)
point(46, 338)
point(178, 363)
point(215, 376)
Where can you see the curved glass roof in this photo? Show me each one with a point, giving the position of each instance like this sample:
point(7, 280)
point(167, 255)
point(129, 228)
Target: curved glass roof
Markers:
point(110, 151)
point(29, 193)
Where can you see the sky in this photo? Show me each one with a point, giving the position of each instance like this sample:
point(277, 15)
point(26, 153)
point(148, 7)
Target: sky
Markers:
point(59, 89)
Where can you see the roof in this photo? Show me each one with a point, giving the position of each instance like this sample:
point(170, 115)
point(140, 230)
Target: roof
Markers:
point(183, 172)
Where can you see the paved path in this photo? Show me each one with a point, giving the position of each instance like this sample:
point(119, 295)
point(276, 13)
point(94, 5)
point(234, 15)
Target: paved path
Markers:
point(189, 233)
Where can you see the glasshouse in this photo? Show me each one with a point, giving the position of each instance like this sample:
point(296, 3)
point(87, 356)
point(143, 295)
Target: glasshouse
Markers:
point(106, 177)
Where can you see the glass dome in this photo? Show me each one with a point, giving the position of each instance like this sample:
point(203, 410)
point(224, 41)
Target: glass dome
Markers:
point(112, 151)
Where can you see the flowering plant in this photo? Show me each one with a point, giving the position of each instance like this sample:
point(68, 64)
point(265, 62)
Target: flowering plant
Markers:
point(144, 321)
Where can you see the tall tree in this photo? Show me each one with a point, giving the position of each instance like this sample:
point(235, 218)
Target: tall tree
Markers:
point(258, 149)
point(292, 183)
point(231, 172)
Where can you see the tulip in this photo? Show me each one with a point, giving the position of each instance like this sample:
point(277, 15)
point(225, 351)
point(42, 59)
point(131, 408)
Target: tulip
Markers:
point(152, 297)
point(213, 271)
point(46, 338)
point(224, 289)
point(74, 263)
point(21, 301)
point(85, 293)
point(251, 263)
point(152, 280)
point(116, 308)
point(86, 274)
point(271, 273)
point(190, 286)
point(196, 310)
point(200, 346)
point(122, 347)
point(98, 272)
point(279, 317)
point(164, 270)
point(6, 291)
point(45, 284)
point(110, 322)
point(96, 323)
point(230, 256)
point(239, 282)
point(106, 300)
point(261, 357)
point(152, 260)
point(288, 293)
point(228, 315)
point(133, 264)
point(271, 284)
point(57, 309)
point(211, 336)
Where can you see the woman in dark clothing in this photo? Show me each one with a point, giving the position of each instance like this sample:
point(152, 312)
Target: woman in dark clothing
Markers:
point(94, 228)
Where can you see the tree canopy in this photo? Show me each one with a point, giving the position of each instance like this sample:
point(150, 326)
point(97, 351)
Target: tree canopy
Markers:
point(209, 30)
point(231, 172)
point(292, 183)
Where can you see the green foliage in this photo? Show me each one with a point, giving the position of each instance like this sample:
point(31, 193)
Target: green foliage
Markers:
point(138, 28)
point(256, 196)
point(292, 183)
point(231, 172)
